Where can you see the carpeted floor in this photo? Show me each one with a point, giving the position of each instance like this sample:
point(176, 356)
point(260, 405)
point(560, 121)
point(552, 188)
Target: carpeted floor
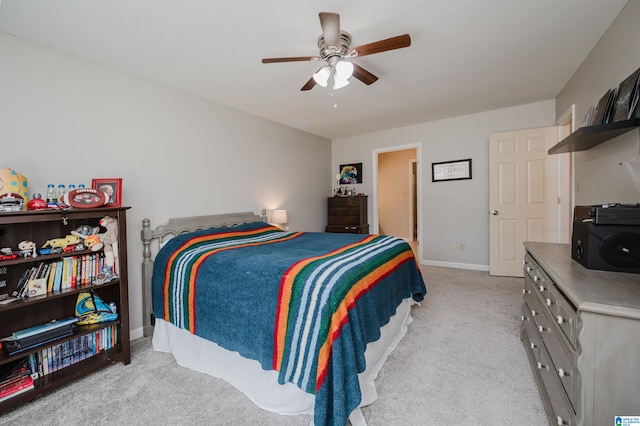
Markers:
point(460, 363)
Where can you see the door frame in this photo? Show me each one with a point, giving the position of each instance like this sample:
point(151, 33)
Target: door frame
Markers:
point(566, 177)
point(375, 226)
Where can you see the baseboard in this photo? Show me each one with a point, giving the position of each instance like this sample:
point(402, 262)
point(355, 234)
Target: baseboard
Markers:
point(455, 265)
point(136, 334)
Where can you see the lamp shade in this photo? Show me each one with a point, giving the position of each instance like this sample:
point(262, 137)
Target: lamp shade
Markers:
point(279, 217)
point(322, 76)
point(344, 70)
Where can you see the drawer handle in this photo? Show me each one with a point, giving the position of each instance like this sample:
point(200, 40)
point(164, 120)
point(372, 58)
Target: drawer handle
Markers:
point(562, 373)
point(535, 278)
point(541, 366)
point(560, 319)
point(533, 345)
point(542, 329)
point(561, 422)
point(525, 291)
point(523, 318)
point(528, 268)
point(533, 313)
point(541, 288)
point(549, 302)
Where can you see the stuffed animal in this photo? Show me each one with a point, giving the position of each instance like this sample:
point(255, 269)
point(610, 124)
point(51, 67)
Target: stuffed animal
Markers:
point(110, 240)
point(92, 242)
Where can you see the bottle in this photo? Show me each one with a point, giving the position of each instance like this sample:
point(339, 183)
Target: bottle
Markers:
point(81, 186)
point(71, 187)
point(61, 191)
point(52, 196)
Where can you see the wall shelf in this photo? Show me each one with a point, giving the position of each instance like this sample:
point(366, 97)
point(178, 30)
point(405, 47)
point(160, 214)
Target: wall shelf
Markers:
point(590, 136)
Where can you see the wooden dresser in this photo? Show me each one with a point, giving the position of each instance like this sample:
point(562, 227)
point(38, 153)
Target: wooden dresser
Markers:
point(347, 214)
point(581, 331)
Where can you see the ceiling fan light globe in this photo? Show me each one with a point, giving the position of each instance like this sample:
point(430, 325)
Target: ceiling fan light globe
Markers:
point(344, 70)
point(322, 76)
point(340, 83)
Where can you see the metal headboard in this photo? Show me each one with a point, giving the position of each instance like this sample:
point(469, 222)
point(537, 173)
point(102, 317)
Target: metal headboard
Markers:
point(178, 226)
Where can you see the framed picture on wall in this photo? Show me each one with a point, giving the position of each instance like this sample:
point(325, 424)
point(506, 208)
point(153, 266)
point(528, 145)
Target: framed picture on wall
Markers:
point(112, 187)
point(350, 174)
point(451, 170)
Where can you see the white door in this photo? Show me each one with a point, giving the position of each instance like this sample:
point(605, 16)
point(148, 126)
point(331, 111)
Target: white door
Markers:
point(523, 196)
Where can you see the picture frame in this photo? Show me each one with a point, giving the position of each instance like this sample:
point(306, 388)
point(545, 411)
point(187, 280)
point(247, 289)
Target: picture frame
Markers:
point(350, 174)
point(451, 170)
point(112, 187)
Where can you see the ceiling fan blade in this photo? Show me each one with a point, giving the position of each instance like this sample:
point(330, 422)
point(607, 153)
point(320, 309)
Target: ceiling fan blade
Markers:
point(363, 75)
point(330, 23)
point(392, 43)
point(292, 59)
point(308, 85)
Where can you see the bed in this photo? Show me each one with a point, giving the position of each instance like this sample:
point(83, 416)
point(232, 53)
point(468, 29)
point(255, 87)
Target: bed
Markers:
point(300, 322)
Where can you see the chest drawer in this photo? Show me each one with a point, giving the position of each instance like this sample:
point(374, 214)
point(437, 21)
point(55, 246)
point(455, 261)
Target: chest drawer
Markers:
point(564, 314)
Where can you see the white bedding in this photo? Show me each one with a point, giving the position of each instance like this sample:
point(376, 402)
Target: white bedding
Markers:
point(261, 386)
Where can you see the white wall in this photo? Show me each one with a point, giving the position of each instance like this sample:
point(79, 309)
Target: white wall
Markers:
point(598, 176)
point(68, 120)
point(455, 210)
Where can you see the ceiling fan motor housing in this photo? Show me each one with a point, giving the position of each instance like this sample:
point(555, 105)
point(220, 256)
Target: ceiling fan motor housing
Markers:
point(327, 51)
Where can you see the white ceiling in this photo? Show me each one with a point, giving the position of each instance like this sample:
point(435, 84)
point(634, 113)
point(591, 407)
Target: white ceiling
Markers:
point(466, 56)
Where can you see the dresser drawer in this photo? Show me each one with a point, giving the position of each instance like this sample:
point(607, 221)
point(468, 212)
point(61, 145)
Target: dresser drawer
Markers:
point(562, 409)
point(346, 201)
point(564, 313)
point(529, 333)
point(349, 229)
point(562, 363)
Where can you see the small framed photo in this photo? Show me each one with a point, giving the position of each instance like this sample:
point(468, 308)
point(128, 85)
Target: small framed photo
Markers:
point(451, 170)
point(112, 187)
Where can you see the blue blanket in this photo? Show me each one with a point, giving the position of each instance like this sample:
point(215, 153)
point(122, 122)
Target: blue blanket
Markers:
point(247, 289)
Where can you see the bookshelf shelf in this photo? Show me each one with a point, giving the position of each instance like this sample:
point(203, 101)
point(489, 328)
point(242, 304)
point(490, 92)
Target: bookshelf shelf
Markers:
point(39, 227)
point(587, 137)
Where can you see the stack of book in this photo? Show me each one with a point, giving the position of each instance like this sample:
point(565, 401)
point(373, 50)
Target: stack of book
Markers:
point(57, 357)
point(68, 272)
point(15, 379)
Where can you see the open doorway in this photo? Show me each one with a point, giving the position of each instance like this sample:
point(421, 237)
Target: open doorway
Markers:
point(396, 194)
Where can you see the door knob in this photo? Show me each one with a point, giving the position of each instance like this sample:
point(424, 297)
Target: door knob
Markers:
point(494, 212)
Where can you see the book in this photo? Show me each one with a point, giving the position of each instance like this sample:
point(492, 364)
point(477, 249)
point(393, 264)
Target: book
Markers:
point(57, 283)
point(626, 90)
point(52, 276)
point(37, 287)
point(15, 378)
point(21, 283)
point(24, 385)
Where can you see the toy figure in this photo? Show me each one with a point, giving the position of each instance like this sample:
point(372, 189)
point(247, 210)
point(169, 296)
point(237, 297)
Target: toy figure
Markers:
point(62, 242)
point(27, 249)
point(110, 241)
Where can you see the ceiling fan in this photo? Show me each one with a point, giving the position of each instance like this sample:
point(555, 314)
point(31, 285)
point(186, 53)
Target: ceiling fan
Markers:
point(334, 46)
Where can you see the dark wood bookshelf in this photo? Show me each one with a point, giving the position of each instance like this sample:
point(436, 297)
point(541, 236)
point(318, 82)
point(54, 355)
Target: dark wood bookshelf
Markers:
point(39, 227)
point(587, 137)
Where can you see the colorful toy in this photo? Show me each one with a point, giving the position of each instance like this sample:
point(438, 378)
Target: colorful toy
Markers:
point(14, 190)
point(93, 243)
point(37, 203)
point(27, 249)
point(7, 253)
point(62, 242)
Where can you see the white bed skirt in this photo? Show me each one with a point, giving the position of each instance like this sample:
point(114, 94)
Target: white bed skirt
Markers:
point(261, 386)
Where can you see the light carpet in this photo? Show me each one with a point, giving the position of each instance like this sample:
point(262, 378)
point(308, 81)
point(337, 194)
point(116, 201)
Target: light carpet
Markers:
point(461, 363)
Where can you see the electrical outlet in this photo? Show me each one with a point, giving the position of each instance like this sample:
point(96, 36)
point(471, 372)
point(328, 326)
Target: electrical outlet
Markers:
point(460, 246)
point(453, 246)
